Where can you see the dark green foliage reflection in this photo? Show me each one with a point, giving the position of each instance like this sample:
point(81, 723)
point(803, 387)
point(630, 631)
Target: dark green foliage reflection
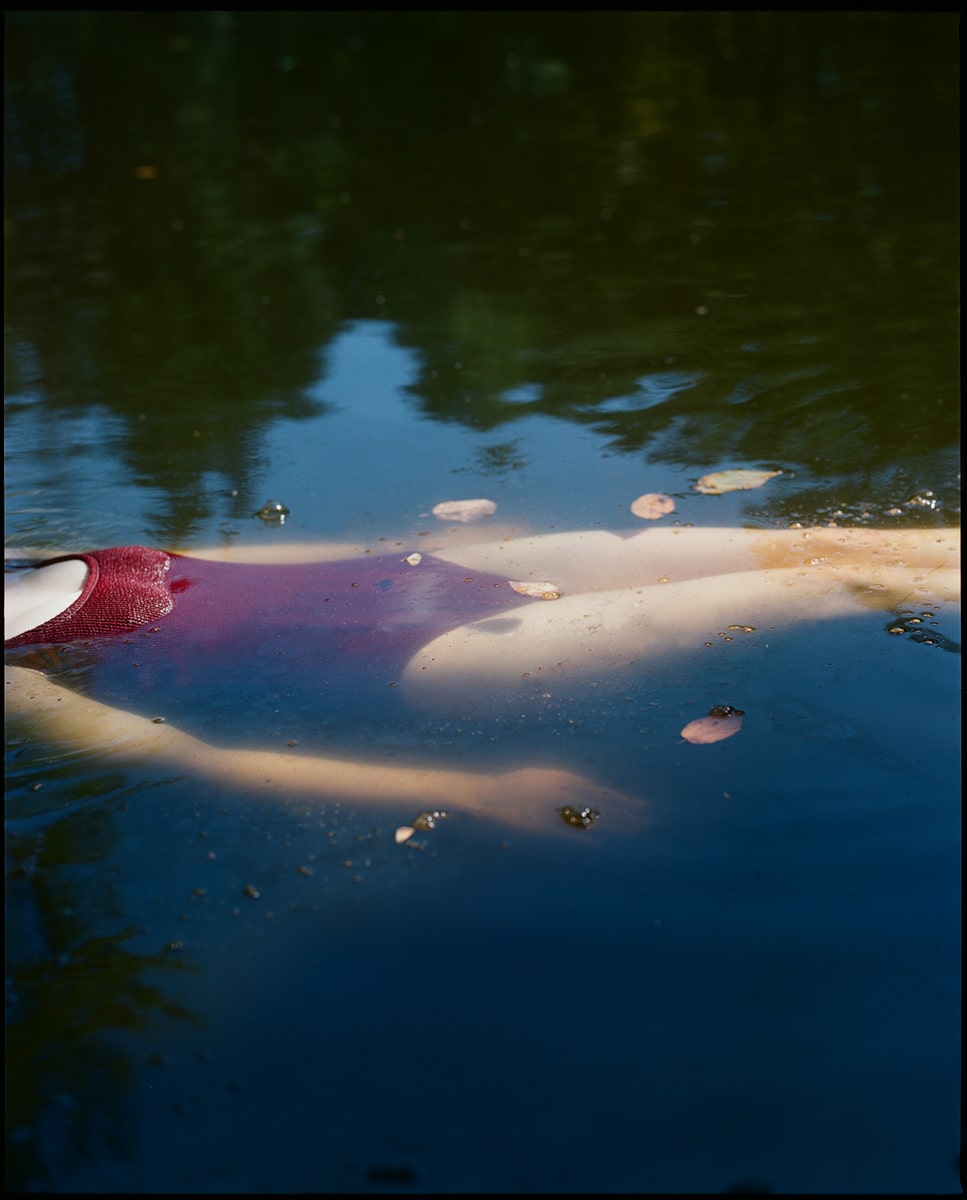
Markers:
point(76, 992)
point(754, 212)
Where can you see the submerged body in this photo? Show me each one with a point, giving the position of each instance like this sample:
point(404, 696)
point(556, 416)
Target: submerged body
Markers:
point(133, 628)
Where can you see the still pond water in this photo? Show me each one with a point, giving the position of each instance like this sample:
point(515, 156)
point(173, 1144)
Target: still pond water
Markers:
point(363, 264)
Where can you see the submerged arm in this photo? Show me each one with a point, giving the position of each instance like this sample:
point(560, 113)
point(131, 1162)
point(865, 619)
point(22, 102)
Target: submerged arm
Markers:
point(522, 797)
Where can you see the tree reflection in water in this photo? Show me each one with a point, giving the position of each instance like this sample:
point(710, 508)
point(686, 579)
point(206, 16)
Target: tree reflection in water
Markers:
point(75, 988)
point(567, 206)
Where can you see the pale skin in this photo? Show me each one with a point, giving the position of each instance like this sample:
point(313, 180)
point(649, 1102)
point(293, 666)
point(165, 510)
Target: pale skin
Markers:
point(624, 603)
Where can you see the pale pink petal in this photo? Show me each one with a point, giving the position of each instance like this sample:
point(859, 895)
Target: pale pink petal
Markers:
point(707, 730)
point(653, 505)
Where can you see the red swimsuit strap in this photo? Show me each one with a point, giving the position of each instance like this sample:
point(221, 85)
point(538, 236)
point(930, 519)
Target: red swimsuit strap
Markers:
point(126, 587)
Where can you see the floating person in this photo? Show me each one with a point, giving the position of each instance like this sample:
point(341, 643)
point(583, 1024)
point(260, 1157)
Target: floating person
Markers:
point(100, 645)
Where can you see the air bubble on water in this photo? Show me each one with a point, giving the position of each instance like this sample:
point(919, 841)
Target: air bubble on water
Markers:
point(273, 512)
point(428, 820)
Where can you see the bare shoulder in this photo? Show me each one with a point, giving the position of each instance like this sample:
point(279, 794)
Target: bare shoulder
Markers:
point(68, 719)
point(27, 691)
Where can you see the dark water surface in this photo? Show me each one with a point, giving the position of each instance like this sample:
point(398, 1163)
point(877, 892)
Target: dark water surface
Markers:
point(366, 263)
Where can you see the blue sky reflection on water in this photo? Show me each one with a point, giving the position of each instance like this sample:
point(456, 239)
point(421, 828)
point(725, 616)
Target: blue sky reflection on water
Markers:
point(372, 456)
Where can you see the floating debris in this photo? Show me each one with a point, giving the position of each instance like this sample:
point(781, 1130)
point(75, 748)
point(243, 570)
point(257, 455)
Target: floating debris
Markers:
point(273, 512)
point(424, 820)
point(737, 480)
point(914, 627)
point(544, 590)
point(414, 559)
point(428, 820)
point(923, 500)
point(464, 510)
point(391, 1174)
point(579, 818)
point(653, 505)
point(723, 721)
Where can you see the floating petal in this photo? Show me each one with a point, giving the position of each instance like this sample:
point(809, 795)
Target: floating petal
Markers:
point(721, 723)
point(464, 510)
point(404, 833)
point(653, 505)
point(738, 480)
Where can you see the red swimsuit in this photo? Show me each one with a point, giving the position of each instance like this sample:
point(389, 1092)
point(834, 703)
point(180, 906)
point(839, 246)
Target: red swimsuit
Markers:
point(355, 600)
point(150, 625)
